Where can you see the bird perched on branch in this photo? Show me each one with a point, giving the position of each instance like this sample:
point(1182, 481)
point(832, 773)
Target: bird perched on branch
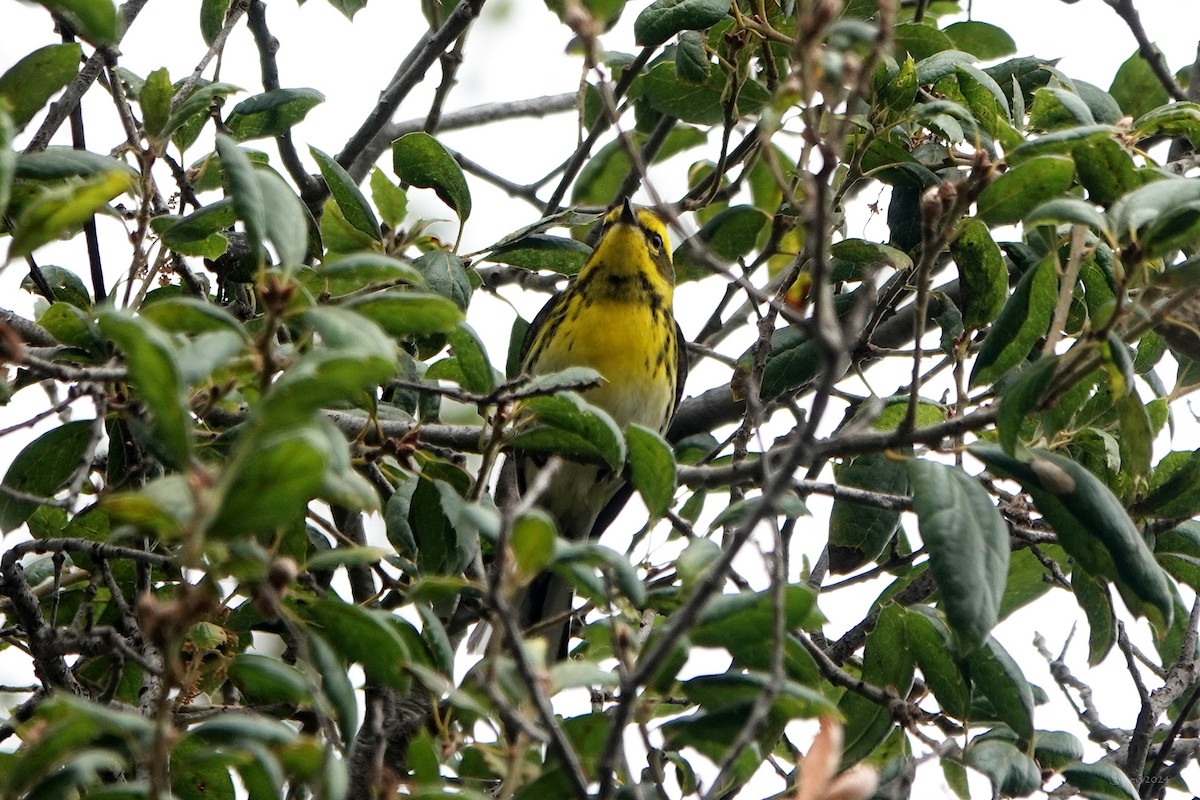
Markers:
point(617, 318)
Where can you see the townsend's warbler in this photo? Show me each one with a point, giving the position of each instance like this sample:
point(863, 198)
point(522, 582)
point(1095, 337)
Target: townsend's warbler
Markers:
point(615, 317)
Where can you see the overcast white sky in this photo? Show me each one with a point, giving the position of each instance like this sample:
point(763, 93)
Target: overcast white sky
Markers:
point(351, 62)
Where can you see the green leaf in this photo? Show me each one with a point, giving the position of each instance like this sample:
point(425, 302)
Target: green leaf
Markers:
point(692, 63)
point(347, 195)
point(68, 287)
point(980, 39)
point(1000, 680)
point(1024, 187)
point(967, 540)
point(651, 467)
point(271, 113)
point(154, 373)
point(408, 313)
point(886, 663)
point(662, 19)
point(390, 199)
point(1136, 88)
point(1093, 597)
point(744, 625)
point(860, 533)
point(541, 251)
point(198, 102)
point(1012, 773)
point(1174, 489)
point(59, 211)
point(32, 81)
point(1022, 322)
point(567, 424)
point(929, 639)
point(920, 42)
point(420, 160)
point(268, 680)
point(1020, 398)
point(1100, 781)
point(472, 359)
point(353, 273)
point(1159, 216)
point(212, 18)
point(1092, 526)
point(1069, 211)
point(155, 100)
point(1053, 749)
point(94, 20)
point(284, 217)
point(532, 542)
point(41, 468)
point(363, 635)
point(446, 274)
point(703, 103)
point(1059, 143)
point(8, 160)
point(982, 274)
point(729, 235)
point(246, 193)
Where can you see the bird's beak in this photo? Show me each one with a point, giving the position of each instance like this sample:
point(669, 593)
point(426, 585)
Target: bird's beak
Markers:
point(627, 214)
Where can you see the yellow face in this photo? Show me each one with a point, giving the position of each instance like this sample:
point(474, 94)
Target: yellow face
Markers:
point(634, 240)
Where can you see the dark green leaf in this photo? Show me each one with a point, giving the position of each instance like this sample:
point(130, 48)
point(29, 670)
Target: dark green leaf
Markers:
point(692, 63)
point(68, 287)
point(1069, 211)
point(651, 467)
point(363, 635)
point(1092, 525)
point(445, 274)
point(272, 113)
point(1093, 597)
point(929, 639)
point(982, 274)
point(1100, 781)
point(32, 81)
point(1059, 143)
point(1021, 398)
point(1136, 88)
point(472, 359)
point(887, 663)
point(703, 104)
point(347, 195)
point(967, 540)
point(155, 100)
point(1000, 680)
point(1022, 322)
point(420, 160)
point(729, 235)
point(268, 680)
point(212, 18)
point(567, 424)
point(662, 19)
point(541, 251)
point(1159, 216)
point(859, 533)
point(1024, 187)
point(192, 315)
point(981, 39)
point(1012, 773)
point(41, 468)
point(920, 42)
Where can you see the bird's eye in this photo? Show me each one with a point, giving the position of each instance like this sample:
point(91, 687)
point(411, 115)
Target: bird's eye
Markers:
point(655, 241)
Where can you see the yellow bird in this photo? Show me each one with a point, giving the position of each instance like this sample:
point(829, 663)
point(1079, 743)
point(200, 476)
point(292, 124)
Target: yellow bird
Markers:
point(616, 317)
